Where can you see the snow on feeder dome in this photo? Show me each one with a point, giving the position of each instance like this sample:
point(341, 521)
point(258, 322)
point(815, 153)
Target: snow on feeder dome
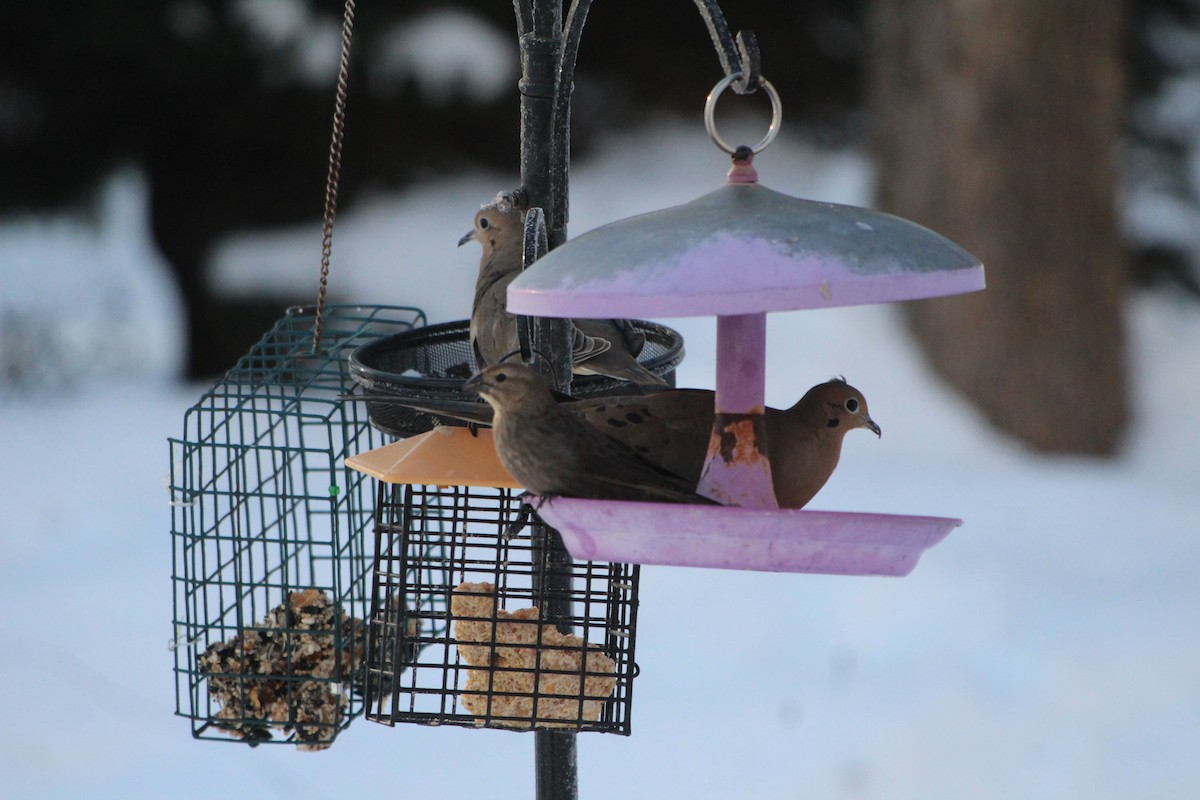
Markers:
point(739, 252)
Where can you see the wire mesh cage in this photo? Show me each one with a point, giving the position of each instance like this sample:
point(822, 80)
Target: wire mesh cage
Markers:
point(271, 560)
point(480, 618)
point(431, 364)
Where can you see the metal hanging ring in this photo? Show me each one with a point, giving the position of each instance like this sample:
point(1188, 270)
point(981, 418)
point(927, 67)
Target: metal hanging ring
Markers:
point(710, 105)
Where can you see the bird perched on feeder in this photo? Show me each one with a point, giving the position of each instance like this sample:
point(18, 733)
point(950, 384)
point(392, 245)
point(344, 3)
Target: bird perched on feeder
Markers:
point(599, 346)
point(552, 452)
point(671, 429)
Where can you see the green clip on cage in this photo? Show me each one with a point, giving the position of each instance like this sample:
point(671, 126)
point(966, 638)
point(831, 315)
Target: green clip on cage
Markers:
point(271, 567)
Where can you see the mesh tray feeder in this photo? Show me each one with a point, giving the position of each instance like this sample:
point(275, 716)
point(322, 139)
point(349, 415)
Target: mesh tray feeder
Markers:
point(431, 363)
point(521, 637)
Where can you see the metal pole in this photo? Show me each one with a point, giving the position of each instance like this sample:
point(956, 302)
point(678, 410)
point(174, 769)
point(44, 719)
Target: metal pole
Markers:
point(541, 48)
point(547, 69)
point(557, 773)
point(539, 66)
point(555, 756)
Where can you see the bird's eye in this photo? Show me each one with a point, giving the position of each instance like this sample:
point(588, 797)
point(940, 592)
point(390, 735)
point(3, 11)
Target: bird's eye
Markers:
point(483, 222)
point(851, 405)
point(501, 377)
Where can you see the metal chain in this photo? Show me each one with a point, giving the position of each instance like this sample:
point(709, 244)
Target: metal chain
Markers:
point(335, 169)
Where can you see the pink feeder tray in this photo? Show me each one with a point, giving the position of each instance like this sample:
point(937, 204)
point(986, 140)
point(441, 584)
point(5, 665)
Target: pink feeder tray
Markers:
point(725, 537)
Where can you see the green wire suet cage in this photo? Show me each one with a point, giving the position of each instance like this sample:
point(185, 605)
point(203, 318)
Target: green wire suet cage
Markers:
point(272, 562)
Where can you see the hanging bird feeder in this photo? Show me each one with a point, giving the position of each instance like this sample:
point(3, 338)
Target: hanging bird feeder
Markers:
point(477, 615)
point(739, 252)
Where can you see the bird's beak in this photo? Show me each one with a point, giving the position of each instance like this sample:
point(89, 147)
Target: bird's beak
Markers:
point(470, 237)
point(474, 384)
point(872, 426)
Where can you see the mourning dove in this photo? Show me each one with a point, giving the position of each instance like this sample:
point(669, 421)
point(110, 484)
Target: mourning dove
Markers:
point(599, 346)
point(552, 452)
point(671, 429)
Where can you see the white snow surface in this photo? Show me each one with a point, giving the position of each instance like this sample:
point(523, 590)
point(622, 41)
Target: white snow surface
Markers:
point(1049, 648)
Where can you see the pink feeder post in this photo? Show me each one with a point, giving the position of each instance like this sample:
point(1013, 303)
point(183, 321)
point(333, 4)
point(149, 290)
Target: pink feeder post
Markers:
point(739, 252)
point(740, 474)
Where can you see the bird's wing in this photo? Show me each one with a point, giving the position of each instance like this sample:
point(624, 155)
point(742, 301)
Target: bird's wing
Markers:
point(634, 340)
point(493, 329)
point(584, 347)
point(670, 428)
point(618, 360)
point(625, 474)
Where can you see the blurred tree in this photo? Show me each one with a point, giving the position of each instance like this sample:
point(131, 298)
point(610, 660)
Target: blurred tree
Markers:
point(215, 101)
point(1162, 161)
point(997, 123)
point(222, 105)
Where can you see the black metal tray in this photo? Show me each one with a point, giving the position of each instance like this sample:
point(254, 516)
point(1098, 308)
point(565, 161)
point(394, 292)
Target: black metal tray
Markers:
point(431, 363)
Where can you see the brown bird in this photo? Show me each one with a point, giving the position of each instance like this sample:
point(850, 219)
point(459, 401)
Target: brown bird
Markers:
point(552, 452)
point(671, 429)
point(804, 442)
point(599, 346)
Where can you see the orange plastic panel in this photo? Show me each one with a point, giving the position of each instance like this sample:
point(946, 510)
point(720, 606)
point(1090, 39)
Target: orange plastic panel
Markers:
point(442, 457)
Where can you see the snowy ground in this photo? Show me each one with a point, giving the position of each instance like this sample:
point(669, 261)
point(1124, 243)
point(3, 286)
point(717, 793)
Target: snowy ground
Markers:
point(1049, 648)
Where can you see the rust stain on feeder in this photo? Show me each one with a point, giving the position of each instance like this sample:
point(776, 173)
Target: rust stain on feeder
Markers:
point(737, 438)
point(737, 470)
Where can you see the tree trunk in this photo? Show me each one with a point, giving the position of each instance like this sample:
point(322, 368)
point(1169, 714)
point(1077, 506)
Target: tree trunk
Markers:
point(997, 125)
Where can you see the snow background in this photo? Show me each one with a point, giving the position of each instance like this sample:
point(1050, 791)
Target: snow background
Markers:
point(1049, 648)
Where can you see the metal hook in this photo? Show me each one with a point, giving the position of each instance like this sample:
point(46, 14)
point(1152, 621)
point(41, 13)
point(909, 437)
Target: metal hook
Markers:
point(535, 243)
point(747, 46)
